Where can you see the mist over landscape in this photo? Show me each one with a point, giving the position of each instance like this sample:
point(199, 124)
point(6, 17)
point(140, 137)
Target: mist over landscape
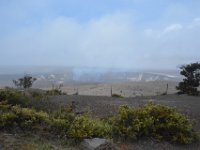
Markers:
point(95, 81)
point(98, 41)
point(66, 75)
point(99, 75)
point(101, 42)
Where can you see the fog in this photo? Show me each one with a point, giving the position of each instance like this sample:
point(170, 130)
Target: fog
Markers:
point(115, 37)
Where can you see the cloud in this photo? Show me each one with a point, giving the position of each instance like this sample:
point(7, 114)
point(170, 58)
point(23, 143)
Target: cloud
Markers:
point(114, 38)
point(109, 41)
point(69, 42)
point(195, 23)
point(173, 28)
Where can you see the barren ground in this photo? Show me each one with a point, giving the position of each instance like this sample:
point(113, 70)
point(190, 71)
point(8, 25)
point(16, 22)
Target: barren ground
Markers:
point(126, 89)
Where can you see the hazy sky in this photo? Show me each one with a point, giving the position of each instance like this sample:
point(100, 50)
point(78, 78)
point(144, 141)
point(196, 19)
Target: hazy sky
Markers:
point(100, 33)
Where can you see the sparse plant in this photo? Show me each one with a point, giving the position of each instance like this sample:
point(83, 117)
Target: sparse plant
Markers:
point(55, 90)
point(24, 82)
point(117, 95)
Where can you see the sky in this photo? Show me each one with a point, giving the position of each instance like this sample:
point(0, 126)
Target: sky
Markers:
point(127, 34)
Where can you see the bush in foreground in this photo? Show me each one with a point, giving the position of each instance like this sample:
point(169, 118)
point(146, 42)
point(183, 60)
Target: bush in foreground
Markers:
point(85, 127)
point(152, 120)
point(14, 97)
point(22, 118)
point(158, 121)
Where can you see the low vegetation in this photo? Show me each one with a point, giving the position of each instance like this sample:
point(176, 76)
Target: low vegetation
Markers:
point(157, 121)
point(55, 92)
point(152, 120)
point(24, 82)
point(117, 95)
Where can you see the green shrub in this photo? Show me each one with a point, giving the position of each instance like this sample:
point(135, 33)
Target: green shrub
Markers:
point(31, 119)
point(170, 125)
point(64, 112)
point(36, 94)
point(59, 127)
point(14, 97)
point(23, 118)
point(160, 122)
point(29, 99)
point(132, 123)
point(12, 117)
point(102, 129)
point(65, 122)
point(84, 127)
point(55, 92)
point(7, 120)
point(61, 120)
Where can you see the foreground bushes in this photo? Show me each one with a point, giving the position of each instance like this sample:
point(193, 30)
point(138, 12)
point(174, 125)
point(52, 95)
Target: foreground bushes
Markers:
point(157, 121)
point(28, 99)
point(14, 97)
point(85, 127)
point(62, 124)
point(160, 122)
point(12, 117)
